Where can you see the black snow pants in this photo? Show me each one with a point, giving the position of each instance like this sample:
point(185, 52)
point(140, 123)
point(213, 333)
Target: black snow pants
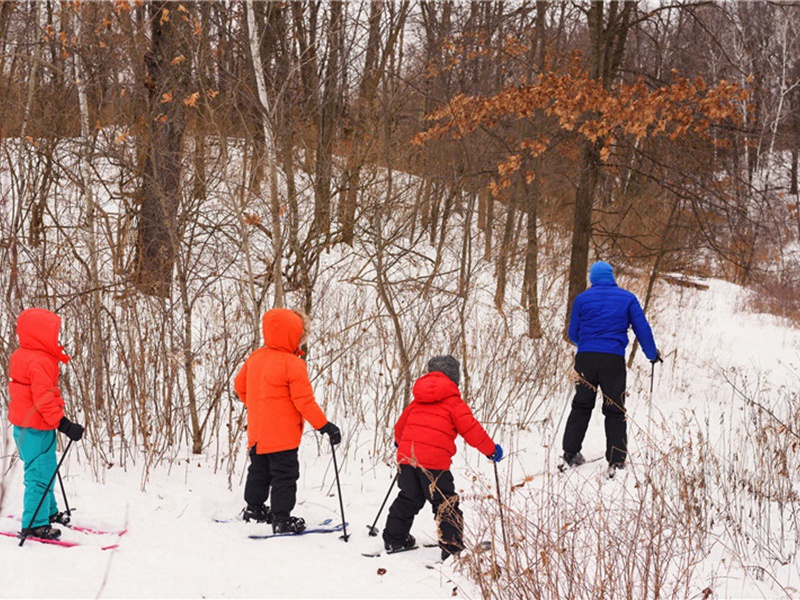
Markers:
point(418, 485)
point(606, 371)
point(277, 472)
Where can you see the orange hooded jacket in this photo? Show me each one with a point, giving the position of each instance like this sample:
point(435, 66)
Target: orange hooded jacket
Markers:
point(274, 386)
point(36, 401)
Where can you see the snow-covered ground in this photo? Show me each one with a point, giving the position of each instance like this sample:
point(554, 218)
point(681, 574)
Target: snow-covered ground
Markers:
point(173, 547)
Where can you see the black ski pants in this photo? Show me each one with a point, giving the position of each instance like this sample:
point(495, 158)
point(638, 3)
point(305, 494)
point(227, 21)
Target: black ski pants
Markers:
point(277, 472)
point(607, 372)
point(418, 485)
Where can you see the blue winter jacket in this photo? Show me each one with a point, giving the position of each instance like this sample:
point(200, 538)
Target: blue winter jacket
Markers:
point(600, 319)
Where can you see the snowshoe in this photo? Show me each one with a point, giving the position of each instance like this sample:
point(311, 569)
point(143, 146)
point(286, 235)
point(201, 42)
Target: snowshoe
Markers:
point(407, 544)
point(288, 525)
point(258, 513)
point(45, 532)
point(62, 518)
point(571, 460)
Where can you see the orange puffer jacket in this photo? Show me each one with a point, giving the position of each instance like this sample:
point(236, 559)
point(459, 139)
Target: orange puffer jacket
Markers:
point(274, 386)
point(33, 371)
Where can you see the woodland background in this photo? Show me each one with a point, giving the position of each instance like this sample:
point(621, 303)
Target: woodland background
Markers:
point(171, 170)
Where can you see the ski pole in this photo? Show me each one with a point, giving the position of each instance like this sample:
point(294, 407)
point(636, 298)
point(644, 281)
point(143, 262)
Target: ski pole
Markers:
point(650, 407)
point(64, 494)
point(372, 529)
point(344, 537)
point(500, 505)
point(25, 531)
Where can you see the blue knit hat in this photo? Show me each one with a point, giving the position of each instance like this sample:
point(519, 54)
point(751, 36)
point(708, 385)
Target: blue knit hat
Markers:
point(601, 272)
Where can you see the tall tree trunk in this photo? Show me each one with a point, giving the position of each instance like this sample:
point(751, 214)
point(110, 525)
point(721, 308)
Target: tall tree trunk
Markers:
point(270, 153)
point(168, 80)
point(607, 37)
point(327, 118)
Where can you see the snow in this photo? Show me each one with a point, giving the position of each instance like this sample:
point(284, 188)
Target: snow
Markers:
point(174, 549)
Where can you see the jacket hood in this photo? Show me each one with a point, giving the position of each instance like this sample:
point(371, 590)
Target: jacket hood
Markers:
point(434, 387)
point(601, 272)
point(283, 330)
point(38, 329)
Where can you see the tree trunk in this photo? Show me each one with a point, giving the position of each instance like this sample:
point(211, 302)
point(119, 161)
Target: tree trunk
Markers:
point(607, 37)
point(168, 78)
point(582, 222)
point(269, 150)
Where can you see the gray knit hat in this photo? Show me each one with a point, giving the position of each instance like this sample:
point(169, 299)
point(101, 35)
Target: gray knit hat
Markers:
point(447, 365)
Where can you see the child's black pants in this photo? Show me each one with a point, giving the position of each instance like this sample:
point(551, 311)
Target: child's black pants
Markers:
point(418, 485)
point(278, 471)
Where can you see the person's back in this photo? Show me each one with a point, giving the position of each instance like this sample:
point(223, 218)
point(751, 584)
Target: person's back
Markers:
point(274, 385)
point(427, 430)
point(602, 315)
point(599, 323)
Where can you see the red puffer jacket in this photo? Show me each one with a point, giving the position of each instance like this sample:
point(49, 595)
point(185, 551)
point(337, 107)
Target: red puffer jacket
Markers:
point(33, 371)
point(425, 433)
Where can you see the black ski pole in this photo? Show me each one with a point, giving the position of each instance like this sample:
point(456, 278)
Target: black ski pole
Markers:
point(64, 494)
point(500, 504)
point(344, 537)
point(373, 531)
point(24, 534)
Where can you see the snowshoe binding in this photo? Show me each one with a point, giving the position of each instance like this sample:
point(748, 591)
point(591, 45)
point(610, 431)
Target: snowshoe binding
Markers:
point(45, 532)
point(259, 513)
point(408, 544)
point(288, 525)
point(62, 518)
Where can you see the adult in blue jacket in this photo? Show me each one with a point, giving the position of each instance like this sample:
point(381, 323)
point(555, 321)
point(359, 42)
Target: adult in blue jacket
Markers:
point(598, 326)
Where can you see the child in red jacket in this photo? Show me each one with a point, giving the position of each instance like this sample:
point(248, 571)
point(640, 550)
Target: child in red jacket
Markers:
point(425, 437)
point(36, 410)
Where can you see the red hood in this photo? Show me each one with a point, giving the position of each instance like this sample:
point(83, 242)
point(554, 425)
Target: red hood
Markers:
point(433, 387)
point(282, 329)
point(38, 329)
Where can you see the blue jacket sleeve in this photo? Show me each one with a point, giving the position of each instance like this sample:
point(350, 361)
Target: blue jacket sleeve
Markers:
point(641, 328)
point(574, 330)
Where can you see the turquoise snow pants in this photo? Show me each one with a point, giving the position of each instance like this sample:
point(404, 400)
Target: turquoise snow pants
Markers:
point(37, 449)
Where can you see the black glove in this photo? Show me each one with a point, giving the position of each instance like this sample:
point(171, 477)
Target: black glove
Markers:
point(72, 430)
point(658, 358)
point(332, 431)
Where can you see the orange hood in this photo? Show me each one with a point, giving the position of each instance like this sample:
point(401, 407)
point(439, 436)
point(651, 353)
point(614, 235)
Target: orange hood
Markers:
point(283, 330)
point(38, 329)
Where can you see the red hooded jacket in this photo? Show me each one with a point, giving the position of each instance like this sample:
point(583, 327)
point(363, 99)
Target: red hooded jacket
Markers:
point(425, 433)
point(274, 385)
point(33, 371)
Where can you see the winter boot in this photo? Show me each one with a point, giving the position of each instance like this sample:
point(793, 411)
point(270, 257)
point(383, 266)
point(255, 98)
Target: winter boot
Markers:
point(288, 525)
point(407, 544)
point(44, 532)
point(571, 460)
point(259, 513)
point(62, 518)
point(447, 554)
point(613, 469)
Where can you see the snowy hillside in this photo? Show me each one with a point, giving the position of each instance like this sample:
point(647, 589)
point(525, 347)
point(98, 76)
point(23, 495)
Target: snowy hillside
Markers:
point(705, 509)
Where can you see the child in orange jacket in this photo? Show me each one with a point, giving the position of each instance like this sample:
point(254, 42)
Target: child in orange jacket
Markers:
point(275, 388)
point(36, 410)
